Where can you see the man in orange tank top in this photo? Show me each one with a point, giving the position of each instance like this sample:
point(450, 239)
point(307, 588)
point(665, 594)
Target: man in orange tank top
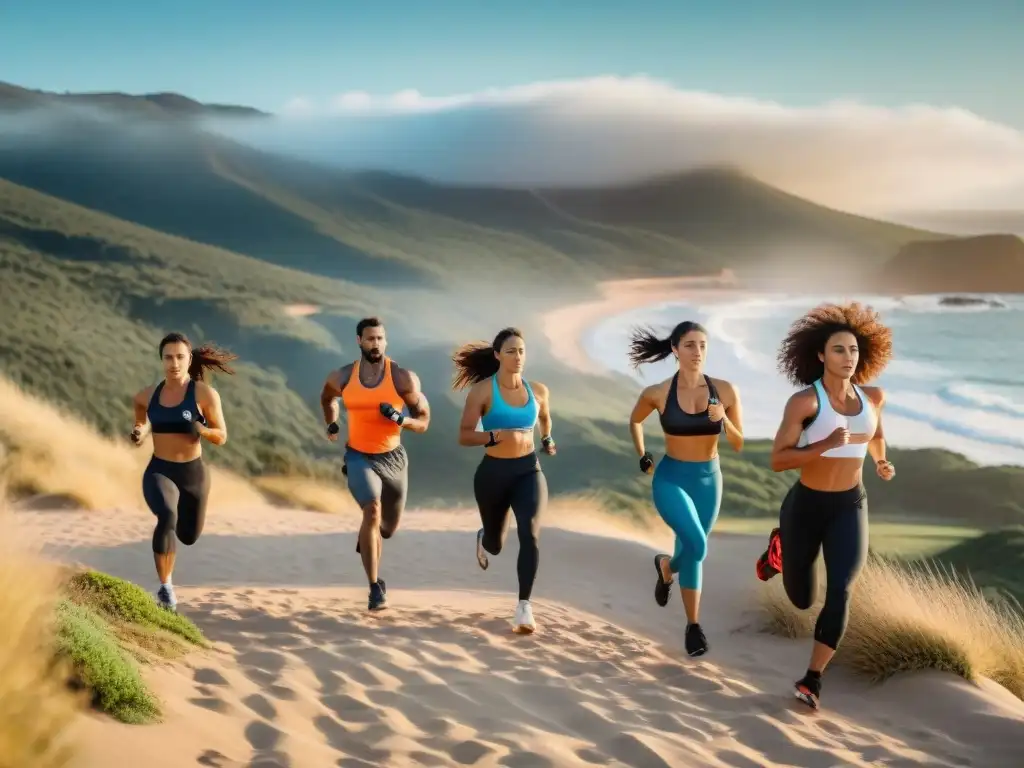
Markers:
point(374, 391)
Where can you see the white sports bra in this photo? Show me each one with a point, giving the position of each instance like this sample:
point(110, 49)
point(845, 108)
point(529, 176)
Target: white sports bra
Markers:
point(828, 420)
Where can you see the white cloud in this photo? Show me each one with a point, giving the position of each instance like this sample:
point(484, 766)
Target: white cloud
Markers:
point(610, 129)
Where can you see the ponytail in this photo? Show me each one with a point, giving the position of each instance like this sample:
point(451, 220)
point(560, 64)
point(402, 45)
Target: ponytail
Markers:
point(646, 347)
point(209, 357)
point(477, 361)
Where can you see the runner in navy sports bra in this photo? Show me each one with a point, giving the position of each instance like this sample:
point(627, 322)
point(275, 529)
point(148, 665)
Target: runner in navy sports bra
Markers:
point(179, 411)
point(508, 408)
point(827, 430)
point(694, 410)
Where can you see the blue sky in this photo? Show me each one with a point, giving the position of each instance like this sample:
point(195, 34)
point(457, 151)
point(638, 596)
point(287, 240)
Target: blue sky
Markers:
point(944, 52)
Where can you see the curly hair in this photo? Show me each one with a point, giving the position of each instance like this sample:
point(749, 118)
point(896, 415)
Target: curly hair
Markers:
point(807, 337)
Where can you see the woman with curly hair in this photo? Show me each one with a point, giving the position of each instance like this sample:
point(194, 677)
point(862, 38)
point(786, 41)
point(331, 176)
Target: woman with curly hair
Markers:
point(827, 429)
point(694, 410)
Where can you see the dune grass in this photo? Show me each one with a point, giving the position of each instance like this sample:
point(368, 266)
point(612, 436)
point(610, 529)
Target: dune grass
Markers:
point(309, 493)
point(36, 706)
point(910, 616)
point(105, 627)
point(46, 451)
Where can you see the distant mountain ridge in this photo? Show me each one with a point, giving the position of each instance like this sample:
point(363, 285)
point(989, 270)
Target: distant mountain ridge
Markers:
point(14, 98)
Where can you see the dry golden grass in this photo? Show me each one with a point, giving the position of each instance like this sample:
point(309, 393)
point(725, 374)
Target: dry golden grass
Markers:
point(906, 617)
point(37, 709)
point(306, 493)
point(47, 452)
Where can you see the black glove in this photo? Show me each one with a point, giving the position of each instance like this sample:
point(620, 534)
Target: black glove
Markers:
point(333, 428)
point(646, 462)
point(136, 436)
point(492, 442)
point(197, 419)
point(390, 412)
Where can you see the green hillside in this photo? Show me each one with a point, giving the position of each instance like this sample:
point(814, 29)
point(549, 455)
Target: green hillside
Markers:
point(110, 237)
point(994, 560)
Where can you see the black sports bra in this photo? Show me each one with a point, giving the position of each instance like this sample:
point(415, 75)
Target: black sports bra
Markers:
point(174, 419)
point(678, 423)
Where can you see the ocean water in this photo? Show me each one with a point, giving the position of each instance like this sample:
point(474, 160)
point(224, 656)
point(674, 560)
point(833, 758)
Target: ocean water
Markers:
point(956, 379)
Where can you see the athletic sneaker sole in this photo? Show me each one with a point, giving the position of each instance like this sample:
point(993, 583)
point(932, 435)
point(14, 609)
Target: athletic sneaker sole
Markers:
point(806, 697)
point(481, 553)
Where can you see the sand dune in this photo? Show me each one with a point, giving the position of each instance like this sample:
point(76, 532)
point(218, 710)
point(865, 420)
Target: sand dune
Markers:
point(301, 675)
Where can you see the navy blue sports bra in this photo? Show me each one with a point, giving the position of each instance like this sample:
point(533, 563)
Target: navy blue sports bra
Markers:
point(174, 419)
point(678, 423)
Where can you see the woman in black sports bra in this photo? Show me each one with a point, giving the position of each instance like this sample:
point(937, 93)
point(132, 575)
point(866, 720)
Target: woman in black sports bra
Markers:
point(179, 411)
point(694, 411)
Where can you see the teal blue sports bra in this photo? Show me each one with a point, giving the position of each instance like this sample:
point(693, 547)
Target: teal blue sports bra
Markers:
point(501, 415)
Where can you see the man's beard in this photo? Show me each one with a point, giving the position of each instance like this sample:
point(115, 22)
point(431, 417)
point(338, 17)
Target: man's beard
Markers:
point(371, 356)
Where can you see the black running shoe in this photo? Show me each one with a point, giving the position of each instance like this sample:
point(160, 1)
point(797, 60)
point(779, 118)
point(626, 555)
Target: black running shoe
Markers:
point(696, 642)
point(378, 597)
point(662, 588)
point(808, 690)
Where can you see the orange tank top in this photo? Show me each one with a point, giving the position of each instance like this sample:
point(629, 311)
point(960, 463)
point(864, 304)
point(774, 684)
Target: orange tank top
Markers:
point(368, 430)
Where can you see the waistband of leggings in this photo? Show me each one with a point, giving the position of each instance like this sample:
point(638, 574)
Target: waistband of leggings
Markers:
point(850, 495)
point(693, 468)
point(190, 467)
point(528, 459)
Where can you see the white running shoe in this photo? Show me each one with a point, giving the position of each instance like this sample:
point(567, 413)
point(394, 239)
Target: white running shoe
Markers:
point(166, 598)
point(524, 624)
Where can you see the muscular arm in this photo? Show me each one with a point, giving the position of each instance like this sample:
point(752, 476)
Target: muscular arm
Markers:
point(646, 404)
point(472, 412)
point(876, 445)
point(331, 391)
point(140, 404)
point(733, 414)
point(408, 385)
point(785, 454)
point(543, 395)
point(216, 430)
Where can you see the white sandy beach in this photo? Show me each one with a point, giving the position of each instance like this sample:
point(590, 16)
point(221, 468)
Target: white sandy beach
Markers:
point(564, 326)
point(302, 676)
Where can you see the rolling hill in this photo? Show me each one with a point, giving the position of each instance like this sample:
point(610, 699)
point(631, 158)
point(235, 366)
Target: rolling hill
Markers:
point(114, 231)
point(15, 99)
point(964, 264)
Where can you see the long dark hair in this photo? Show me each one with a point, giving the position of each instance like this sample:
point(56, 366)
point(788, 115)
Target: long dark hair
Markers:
point(204, 357)
point(646, 347)
point(476, 361)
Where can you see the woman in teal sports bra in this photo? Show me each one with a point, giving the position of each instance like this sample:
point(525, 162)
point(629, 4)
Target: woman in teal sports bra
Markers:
point(508, 408)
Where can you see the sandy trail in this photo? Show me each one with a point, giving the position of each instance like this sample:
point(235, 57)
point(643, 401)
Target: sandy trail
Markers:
point(301, 675)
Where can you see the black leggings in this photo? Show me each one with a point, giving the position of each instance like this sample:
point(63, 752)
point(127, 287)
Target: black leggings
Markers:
point(520, 484)
point(176, 493)
point(835, 523)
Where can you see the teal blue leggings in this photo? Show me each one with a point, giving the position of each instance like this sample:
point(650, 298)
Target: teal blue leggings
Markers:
point(688, 495)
